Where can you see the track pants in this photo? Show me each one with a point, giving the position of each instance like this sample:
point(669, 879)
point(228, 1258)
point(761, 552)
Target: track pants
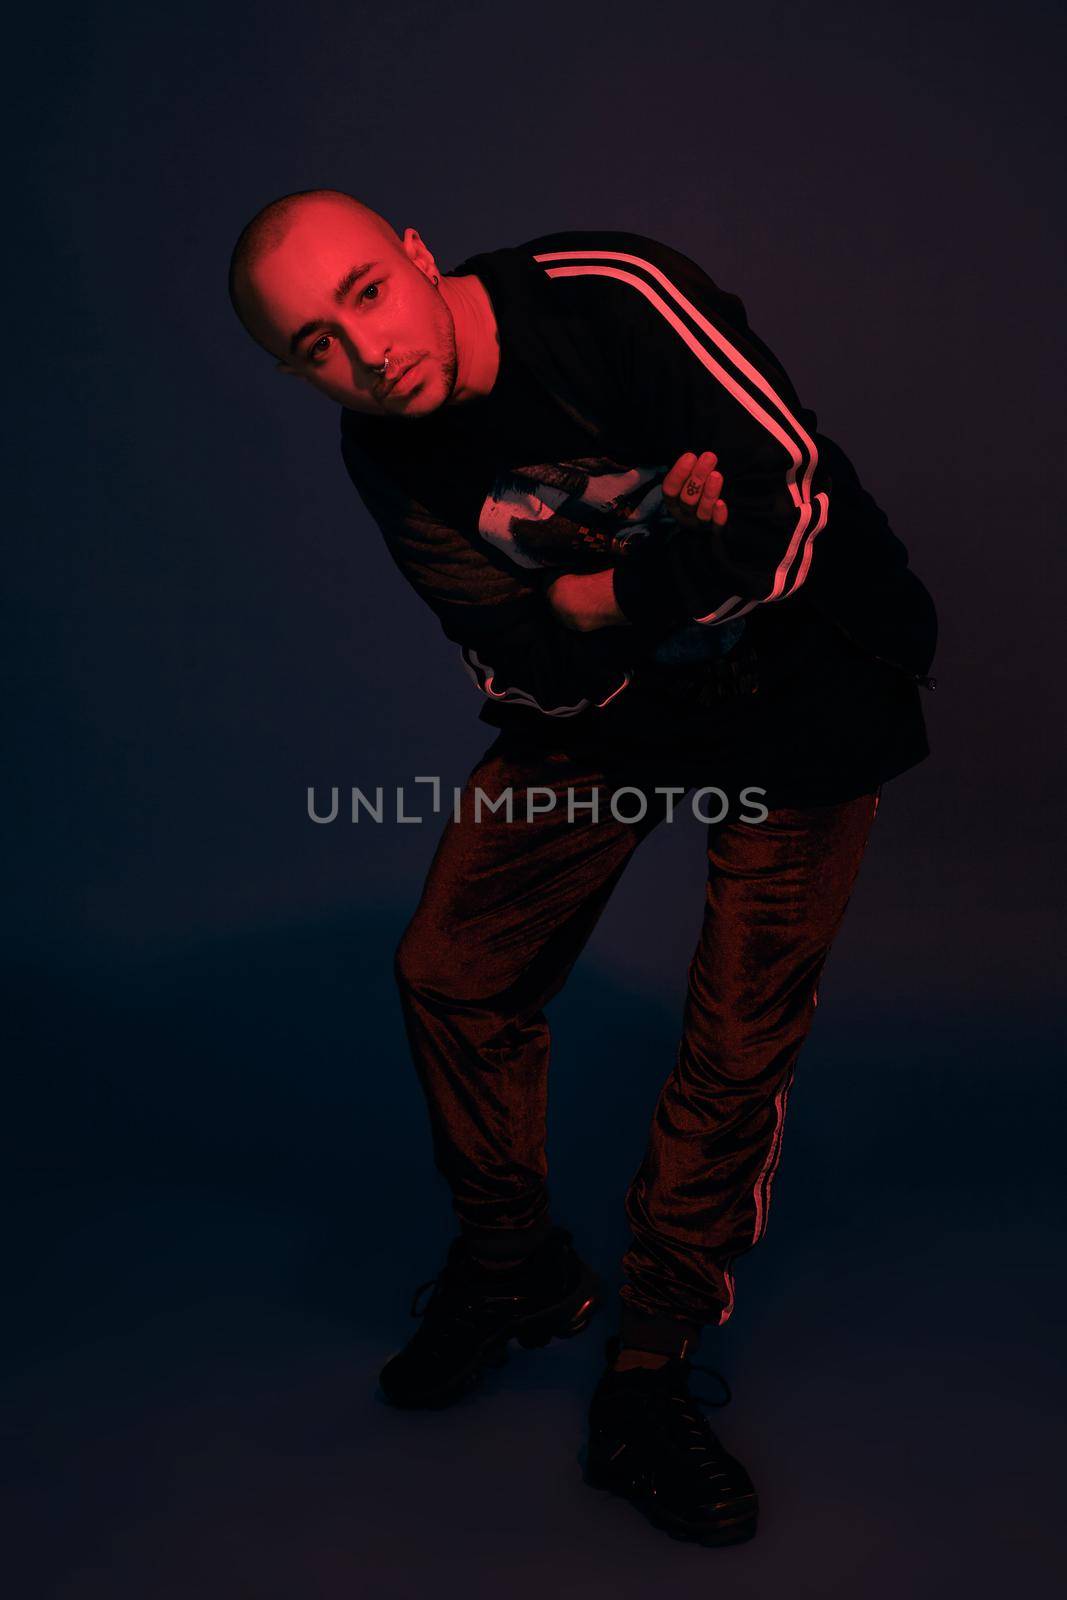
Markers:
point(507, 907)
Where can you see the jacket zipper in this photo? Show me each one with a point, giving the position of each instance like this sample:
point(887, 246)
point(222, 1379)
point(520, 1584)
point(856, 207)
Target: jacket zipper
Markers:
point(916, 677)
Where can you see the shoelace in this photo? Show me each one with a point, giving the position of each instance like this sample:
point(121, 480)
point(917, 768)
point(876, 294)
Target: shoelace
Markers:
point(696, 1424)
point(431, 1283)
point(447, 1279)
point(461, 1315)
point(444, 1282)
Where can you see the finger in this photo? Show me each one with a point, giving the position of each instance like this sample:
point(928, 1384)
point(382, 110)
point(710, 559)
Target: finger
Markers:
point(678, 473)
point(719, 513)
point(698, 477)
point(709, 494)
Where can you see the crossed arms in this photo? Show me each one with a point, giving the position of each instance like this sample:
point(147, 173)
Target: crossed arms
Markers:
point(561, 643)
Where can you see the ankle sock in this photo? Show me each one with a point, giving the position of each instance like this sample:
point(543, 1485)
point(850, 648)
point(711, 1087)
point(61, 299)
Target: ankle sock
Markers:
point(628, 1359)
point(658, 1332)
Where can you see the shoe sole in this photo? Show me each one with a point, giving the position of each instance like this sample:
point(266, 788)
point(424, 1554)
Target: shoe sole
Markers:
point(565, 1320)
point(734, 1530)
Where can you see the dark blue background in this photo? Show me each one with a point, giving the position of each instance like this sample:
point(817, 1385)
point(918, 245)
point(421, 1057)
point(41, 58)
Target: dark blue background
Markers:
point(220, 1179)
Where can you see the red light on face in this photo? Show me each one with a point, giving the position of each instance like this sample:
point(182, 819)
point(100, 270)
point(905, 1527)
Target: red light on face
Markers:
point(406, 380)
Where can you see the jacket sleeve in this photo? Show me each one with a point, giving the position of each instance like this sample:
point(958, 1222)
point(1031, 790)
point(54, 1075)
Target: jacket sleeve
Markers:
point(690, 375)
point(511, 644)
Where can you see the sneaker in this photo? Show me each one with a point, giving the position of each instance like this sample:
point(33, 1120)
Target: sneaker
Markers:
point(473, 1312)
point(650, 1442)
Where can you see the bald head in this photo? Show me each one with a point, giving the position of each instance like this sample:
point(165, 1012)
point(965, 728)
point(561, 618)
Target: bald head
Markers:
point(341, 300)
point(272, 225)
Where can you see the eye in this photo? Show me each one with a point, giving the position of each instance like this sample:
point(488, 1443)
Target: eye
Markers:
point(318, 350)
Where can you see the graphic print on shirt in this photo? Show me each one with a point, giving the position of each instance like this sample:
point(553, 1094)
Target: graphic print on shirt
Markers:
point(583, 515)
point(573, 514)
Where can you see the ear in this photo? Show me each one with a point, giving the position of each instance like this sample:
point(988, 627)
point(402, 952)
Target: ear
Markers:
point(418, 254)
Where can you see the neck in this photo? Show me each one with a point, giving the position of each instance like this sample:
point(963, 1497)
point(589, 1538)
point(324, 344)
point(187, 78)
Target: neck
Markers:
point(477, 337)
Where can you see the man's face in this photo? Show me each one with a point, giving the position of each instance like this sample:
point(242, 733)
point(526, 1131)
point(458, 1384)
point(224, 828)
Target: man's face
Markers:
point(332, 323)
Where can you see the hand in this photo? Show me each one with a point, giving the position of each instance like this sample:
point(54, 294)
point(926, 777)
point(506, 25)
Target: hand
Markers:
point(585, 600)
point(691, 491)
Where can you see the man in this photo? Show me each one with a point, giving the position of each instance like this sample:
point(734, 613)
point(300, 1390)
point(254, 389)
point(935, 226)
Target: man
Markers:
point(659, 574)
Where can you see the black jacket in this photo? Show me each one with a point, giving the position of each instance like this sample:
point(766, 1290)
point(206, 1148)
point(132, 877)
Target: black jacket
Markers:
point(618, 354)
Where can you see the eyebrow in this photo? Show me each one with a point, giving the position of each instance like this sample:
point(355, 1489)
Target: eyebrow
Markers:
point(350, 278)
